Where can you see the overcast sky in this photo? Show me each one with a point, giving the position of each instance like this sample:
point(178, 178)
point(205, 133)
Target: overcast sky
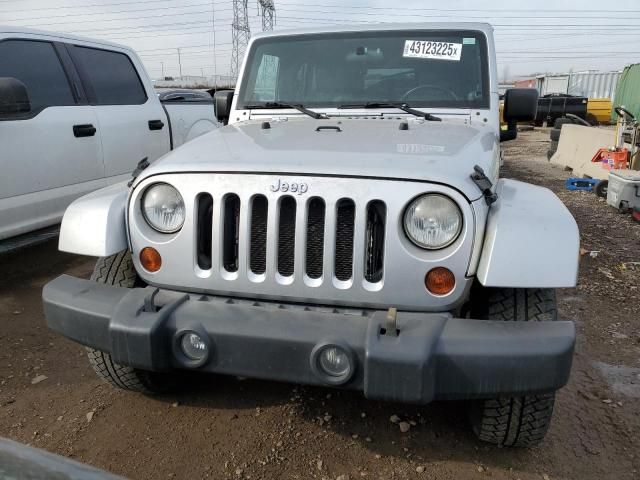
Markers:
point(532, 36)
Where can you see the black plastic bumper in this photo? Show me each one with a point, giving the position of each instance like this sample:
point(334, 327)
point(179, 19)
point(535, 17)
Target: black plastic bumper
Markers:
point(435, 356)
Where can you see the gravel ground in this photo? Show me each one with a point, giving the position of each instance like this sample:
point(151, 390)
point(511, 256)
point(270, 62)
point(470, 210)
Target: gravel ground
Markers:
point(231, 428)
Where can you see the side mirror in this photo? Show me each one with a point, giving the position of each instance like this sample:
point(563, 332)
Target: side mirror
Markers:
point(14, 99)
point(520, 105)
point(222, 100)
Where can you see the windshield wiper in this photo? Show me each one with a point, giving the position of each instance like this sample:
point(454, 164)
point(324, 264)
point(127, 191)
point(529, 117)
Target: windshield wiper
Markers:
point(399, 105)
point(295, 106)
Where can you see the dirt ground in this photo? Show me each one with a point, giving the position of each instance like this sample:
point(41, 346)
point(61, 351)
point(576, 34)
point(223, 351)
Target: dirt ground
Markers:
point(232, 428)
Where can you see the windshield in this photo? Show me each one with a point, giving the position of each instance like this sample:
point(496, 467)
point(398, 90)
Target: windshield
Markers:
point(421, 68)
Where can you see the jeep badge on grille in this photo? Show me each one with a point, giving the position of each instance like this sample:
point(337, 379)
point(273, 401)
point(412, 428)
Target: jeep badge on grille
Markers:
point(280, 186)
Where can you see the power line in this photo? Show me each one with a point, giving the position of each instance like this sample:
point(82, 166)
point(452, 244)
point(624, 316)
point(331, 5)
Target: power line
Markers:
point(208, 31)
point(60, 7)
point(144, 17)
point(538, 27)
point(456, 10)
point(457, 13)
point(173, 48)
point(67, 15)
point(148, 28)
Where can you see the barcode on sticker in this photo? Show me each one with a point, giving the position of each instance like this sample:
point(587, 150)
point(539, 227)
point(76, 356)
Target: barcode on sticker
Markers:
point(433, 50)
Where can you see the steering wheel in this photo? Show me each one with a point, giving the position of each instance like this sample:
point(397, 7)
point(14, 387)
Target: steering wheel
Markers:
point(432, 87)
point(624, 113)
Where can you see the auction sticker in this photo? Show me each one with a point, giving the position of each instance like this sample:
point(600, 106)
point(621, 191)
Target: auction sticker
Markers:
point(433, 50)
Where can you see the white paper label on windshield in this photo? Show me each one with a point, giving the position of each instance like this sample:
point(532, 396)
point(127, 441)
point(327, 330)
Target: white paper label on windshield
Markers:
point(433, 50)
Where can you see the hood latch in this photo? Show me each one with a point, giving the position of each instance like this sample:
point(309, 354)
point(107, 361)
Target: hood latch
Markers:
point(484, 184)
point(142, 164)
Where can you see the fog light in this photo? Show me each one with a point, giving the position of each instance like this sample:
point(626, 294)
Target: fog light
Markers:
point(333, 363)
point(194, 347)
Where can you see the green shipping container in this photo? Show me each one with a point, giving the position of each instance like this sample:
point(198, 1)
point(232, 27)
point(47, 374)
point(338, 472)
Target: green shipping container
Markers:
point(628, 91)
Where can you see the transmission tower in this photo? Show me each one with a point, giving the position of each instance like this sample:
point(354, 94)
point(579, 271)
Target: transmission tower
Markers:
point(241, 34)
point(267, 13)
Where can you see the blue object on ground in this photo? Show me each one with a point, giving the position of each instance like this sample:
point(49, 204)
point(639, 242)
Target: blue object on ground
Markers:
point(574, 183)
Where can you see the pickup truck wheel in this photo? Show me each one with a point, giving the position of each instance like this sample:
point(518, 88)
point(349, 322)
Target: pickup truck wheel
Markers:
point(520, 421)
point(118, 270)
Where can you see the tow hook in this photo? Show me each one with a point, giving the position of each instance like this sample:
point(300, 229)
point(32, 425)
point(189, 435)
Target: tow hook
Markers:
point(391, 325)
point(150, 302)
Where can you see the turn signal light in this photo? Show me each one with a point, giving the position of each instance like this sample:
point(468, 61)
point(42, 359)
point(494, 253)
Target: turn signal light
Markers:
point(440, 281)
point(150, 259)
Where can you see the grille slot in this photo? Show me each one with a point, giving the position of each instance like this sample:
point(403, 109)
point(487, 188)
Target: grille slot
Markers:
point(286, 236)
point(315, 238)
point(258, 243)
point(345, 220)
point(231, 232)
point(205, 229)
point(374, 237)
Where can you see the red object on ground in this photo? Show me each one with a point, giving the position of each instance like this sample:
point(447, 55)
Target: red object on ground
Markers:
point(612, 159)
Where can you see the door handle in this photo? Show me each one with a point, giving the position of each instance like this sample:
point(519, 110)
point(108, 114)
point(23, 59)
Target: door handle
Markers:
point(156, 124)
point(85, 130)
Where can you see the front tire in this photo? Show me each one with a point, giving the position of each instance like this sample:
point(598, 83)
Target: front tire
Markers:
point(117, 270)
point(520, 421)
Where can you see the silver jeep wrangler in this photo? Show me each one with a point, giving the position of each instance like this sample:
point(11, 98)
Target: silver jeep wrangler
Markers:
point(346, 228)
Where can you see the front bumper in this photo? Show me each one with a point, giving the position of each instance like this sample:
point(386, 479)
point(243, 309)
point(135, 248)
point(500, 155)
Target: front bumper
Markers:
point(434, 356)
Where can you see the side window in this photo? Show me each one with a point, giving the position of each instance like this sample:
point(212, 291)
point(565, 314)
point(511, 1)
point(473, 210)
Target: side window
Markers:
point(112, 75)
point(267, 79)
point(36, 64)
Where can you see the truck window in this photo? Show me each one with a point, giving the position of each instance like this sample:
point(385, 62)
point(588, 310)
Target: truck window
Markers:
point(437, 68)
point(112, 75)
point(36, 64)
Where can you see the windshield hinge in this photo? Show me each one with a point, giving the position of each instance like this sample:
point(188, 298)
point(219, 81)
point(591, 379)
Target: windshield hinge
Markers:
point(484, 184)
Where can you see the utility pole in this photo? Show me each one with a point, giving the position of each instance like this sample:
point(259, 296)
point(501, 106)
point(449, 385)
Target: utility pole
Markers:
point(162, 66)
point(179, 63)
point(241, 32)
point(215, 53)
point(268, 14)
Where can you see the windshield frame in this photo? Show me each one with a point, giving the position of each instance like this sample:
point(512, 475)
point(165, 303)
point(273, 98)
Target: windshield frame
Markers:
point(483, 102)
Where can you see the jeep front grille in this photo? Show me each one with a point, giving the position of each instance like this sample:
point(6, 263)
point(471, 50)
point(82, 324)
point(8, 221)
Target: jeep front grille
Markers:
point(315, 222)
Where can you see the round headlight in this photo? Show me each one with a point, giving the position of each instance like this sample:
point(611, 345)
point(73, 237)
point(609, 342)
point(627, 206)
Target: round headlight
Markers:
point(433, 221)
point(163, 208)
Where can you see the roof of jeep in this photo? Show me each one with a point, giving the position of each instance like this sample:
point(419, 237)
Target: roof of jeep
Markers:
point(377, 27)
point(64, 37)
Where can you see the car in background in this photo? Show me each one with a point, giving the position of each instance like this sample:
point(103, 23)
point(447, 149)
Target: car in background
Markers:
point(77, 115)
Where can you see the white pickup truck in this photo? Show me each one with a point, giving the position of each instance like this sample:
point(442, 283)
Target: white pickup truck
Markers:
point(77, 115)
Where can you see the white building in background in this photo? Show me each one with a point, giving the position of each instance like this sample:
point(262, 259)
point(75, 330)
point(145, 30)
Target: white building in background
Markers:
point(591, 84)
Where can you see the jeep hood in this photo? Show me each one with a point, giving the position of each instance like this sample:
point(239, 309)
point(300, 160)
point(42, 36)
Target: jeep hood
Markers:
point(441, 152)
